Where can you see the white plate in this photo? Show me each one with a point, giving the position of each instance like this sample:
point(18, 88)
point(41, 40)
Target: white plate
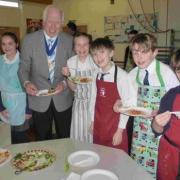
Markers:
point(135, 111)
point(44, 92)
point(6, 160)
point(99, 174)
point(83, 159)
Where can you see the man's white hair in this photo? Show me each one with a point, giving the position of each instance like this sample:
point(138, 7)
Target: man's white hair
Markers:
point(47, 8)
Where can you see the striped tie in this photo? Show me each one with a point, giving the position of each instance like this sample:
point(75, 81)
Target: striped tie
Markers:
point(51, 60)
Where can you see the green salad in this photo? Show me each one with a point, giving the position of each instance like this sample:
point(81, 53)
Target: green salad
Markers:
point(33, 160)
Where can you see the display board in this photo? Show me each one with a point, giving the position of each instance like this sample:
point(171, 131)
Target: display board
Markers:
point(116, 27)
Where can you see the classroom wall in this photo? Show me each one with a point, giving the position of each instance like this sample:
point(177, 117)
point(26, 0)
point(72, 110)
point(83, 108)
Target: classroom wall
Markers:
point(92, 12)
point(16, 17)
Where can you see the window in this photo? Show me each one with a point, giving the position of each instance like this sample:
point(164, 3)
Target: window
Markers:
point(9, 3)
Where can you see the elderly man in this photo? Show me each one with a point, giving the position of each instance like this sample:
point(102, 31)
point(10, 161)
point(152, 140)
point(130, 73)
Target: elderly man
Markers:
point(43, 54)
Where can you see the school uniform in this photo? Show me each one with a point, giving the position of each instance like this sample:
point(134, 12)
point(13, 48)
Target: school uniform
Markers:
point(169, 147)
point(160, 79)
point(80, 122)
point(115, 85)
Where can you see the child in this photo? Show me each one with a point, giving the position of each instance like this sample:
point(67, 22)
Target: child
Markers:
point(151, 79)
point(175, 63)
point(12, 98)
point(168, 125)
point(80, 65)
point(108, 127)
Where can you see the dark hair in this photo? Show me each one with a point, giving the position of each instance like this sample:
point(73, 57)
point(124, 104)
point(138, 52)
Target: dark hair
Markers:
point(72, 26)
point(175, 60)
point(11, 35)
point(102, 43)
point(133, 32)
point(145, 41)
point(88, 36)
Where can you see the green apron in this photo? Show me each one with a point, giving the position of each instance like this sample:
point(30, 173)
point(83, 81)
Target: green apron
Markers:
point(144, 144)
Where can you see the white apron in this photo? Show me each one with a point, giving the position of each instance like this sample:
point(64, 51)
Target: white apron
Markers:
point(80, 122)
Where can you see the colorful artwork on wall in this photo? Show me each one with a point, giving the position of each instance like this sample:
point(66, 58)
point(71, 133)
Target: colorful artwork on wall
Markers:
point(117, 27)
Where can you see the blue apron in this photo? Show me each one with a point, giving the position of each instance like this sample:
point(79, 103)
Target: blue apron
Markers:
point(13, 97)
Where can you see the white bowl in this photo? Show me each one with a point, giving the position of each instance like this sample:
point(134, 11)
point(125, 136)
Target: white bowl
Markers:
point(81, 161)
point(99, 174)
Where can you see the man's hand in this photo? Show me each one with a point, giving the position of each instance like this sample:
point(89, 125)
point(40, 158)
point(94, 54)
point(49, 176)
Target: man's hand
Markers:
point(31, 89)
point(117, 138)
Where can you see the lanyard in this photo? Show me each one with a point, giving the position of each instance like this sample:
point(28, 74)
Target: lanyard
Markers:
point(50, 51)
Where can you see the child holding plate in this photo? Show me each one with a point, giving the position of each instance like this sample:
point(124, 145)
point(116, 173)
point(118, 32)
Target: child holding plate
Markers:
point(168, 125)
point(108, 127)
point(151, 79)
point(79, 69)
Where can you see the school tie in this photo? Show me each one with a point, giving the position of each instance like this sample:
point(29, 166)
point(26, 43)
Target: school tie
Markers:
point(51, 60)
point(146, 82)
point(102, 76)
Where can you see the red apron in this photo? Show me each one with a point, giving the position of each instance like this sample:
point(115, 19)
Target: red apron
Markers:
point(169, 149)
point(106, 120)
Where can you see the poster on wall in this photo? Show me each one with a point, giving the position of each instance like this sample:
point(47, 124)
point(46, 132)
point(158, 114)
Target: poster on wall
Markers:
point(33, 25)
point(117, 27)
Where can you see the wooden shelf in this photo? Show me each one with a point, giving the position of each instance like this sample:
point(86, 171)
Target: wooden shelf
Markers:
point(40, 1)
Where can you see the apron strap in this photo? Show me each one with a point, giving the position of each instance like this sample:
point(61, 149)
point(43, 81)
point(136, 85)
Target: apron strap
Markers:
point(137, 77)
point(173, 144)
point(158, 74)
point(115, 74)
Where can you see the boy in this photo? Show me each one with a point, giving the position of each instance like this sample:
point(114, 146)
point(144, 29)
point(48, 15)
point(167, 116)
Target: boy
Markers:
point(151, 79)
point(111, 83)
point(168, 125)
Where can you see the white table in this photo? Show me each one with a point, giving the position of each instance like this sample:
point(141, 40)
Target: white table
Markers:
point(110, 159)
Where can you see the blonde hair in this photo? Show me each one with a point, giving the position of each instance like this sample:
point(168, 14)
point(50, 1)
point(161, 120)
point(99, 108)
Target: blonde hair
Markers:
point(145, 41)
point(47, 8)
